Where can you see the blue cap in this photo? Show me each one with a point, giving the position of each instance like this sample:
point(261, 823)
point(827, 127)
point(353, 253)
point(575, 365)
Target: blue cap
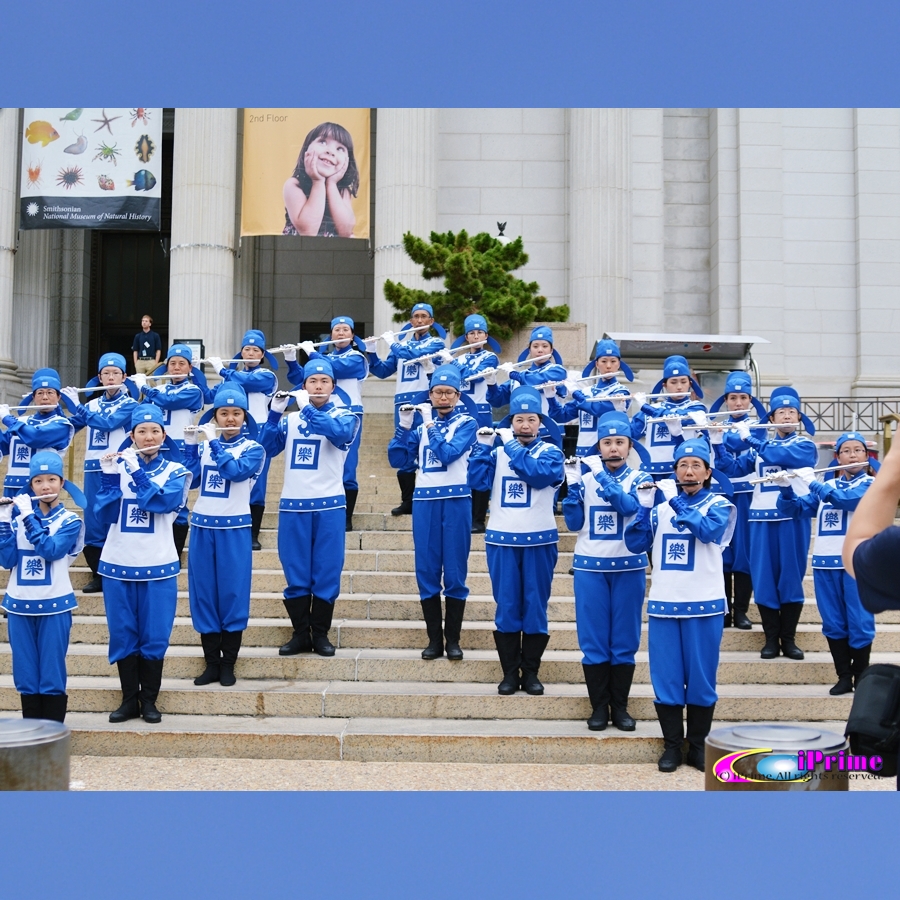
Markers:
point(699, 448)
point(676, 367)
point(739, 383)
point(229, 394)
point(181, 350)
point(607, 347)
point(46, 378)
point(423, 306)
point(343, 320)
point(116, 360)
point(542, 333)
point(787, 398)
point(447, 376)
point(46, 462)
point(525, 400)
point(318, 365)
point(613, 424)
point(849, 436)
point(254, 338)
point(475, 322)
point(147, 412)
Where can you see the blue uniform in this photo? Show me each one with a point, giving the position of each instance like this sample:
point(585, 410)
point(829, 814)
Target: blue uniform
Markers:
point(657, 439)
point(25, 436)
point(587, 408)
point(470, 366)
point(537, 375)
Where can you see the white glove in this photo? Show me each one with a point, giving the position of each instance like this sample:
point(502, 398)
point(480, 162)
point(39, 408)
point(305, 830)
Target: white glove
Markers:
point(4, 411)
point(646, 496)
point(427, 412)
point(490, 378)
point(571, 387)
point(6, 511)
point(506, 435)
point(302, 398)
point(406, 416)
point(805, 474)
point(799, 487)
point(743, 429)
point(486, 436)
point(307, 347)
point(549, 390)
point(139, 380)
point(426, 363)
point(191, 435)
point(389, 338)
point(445, 356)
point(699, 418)
point(675, 427)
point(668, 487)
point(129, 457)
point(506, 367)
point(290, 354)
point(620, 405)
point(279, 401)
point(23, 504)
point(639, 397)
point(109, 464)
point(716, 436)
point(71, 394)
point(216, 363)
point(782, 478)
point(209, 431)
point(371, 344)
point(573, 471)
point(594, 463)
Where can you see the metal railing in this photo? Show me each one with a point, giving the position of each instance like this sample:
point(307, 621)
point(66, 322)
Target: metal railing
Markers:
point(841, 414)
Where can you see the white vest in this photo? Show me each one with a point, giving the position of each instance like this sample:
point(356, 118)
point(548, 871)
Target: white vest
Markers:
point(176, 419)
point(600, 546)
point(765, 496)
point(351, 386)
point(100, 442)
point(222, 503)
point(20, 453)
point(587, 423)
point(658, 440)
point(40, 587)
point(139, 546)
point(434, 480)
point(687, 573)
point(313, 468)
point(477, 390)
point(832, 524)
point(521, 516)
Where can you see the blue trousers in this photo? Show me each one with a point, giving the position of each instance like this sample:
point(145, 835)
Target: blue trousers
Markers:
point(842, 612)
point(608, 615)
point(39, 645)
point(311, 548)
point(735, 557)
point(220, 568)
point(520, 581)
point(442, 534)
point(140, 615)
point(258, 492)
point(417, 420)
point(778, 552)
point(95, 531)
point(351, 461)
point(684, 657)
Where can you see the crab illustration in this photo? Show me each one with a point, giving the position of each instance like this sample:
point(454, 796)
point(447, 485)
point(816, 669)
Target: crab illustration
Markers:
point(107, 153)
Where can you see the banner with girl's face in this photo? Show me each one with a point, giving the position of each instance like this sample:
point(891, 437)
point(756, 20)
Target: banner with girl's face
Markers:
point(306, 172)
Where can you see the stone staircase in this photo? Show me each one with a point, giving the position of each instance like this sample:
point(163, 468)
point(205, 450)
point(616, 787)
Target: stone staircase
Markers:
point(377, 700)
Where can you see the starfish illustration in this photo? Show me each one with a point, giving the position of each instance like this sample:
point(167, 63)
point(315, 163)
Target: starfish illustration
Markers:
point(105, 122)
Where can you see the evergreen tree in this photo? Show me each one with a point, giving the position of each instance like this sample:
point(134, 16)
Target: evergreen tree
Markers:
point(476, 273)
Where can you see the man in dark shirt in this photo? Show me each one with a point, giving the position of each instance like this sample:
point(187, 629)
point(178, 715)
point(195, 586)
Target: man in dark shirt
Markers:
point(146, 348)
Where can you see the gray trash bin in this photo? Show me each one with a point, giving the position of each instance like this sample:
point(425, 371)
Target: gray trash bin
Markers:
point(34, 755)
point(764, 757)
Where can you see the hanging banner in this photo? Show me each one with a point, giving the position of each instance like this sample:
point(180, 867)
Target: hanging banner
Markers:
point(306, 172)
point(92, 168)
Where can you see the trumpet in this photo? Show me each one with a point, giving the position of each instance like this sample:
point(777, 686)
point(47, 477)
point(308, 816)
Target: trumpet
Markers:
point(775, 476)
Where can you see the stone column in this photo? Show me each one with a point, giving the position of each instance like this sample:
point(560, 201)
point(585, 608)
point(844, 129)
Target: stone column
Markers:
point(405, 198)
point(724, 299)
point(201, 279)
point(600, 219)
point(9, 217)
point(33, 290)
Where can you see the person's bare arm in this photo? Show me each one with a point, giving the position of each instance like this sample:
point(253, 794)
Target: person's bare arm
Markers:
point(878, 506)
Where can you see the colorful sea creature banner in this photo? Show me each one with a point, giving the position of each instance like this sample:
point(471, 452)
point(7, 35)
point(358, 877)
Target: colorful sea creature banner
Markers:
point(92, 168)
point(306, 172)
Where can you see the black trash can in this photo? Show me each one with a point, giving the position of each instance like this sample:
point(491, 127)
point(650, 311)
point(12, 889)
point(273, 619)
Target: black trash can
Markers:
point(34, 755)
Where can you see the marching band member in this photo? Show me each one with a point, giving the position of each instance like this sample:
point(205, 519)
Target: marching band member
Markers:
point(411, 360)
point(848, 627)
point(442, 505)
point(521, 539)
point(141, 492)
point(686, 534)
point(220, 564)
point(311, 520)
point(259, 384)
point(38, 546)
point(779, 544)
point(610, 580)
point(108, 419)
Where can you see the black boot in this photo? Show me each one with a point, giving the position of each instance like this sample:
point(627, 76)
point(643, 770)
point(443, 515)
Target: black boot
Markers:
point(480, 500)
point(456, 610)
point(596, 677)
point(771, 623)
point(300, 642)
point(92, 558)
point(231, 644)
point(509, 649)
point(53, 706)
point(131, 683)
point(743, 588)
point(211, 644)
point(672, 724)
point(841, 654)
point(431, 612)
point(350, 495)
point(860, 662)
point(729, 583)
point(31, 706)
point(407, 481)
point(320, 621)
point(179, 535)
point(256, 517)
point(620, 678)
point(533, 646)
point(151, 678)
point(699, 723)
point(790, 616)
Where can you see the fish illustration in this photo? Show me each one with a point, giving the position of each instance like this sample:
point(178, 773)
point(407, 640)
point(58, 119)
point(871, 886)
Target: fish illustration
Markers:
point(79, 146)
point(106, 183)
point(144, 148)
point(142, 181)
point(41, 132)
point(72, 115)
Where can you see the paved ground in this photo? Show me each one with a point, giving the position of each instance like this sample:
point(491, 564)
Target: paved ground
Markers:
point(104, 773)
